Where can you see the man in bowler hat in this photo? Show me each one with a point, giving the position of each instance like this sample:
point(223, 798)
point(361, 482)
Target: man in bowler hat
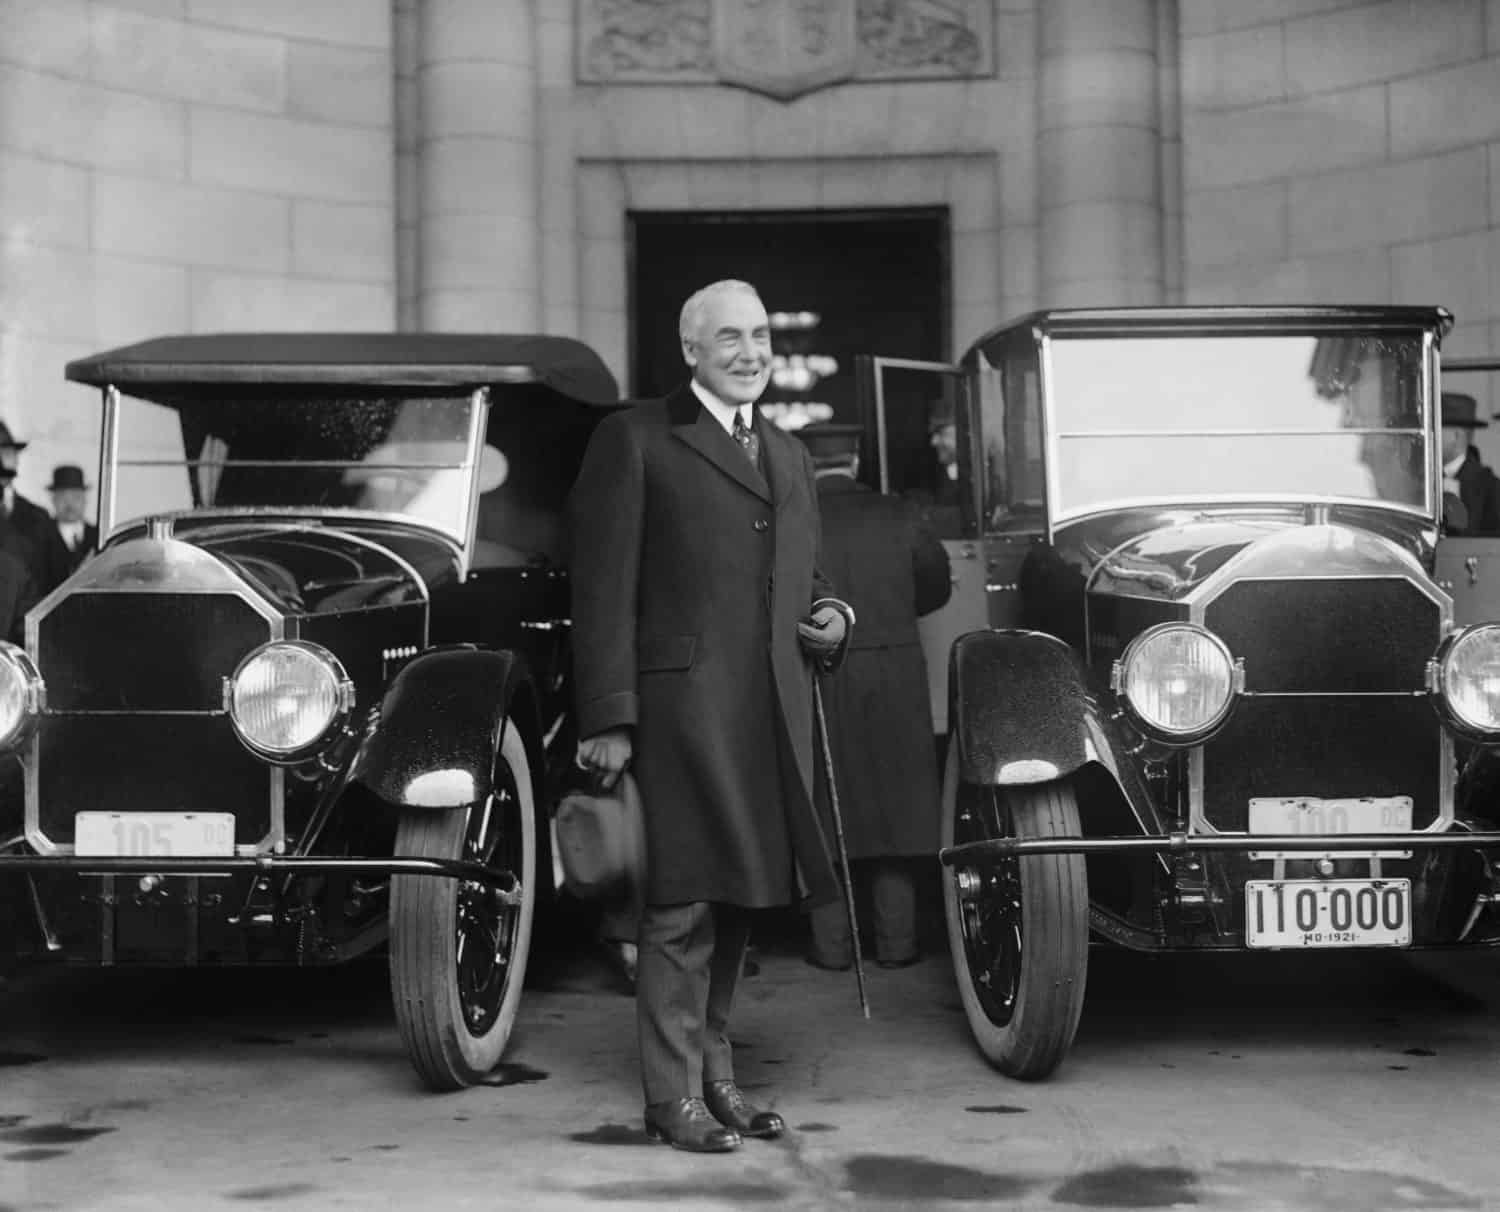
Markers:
point(880, 551)
point(70, 496)
point(42, 547)
point(1471, 494)
point(698, 616)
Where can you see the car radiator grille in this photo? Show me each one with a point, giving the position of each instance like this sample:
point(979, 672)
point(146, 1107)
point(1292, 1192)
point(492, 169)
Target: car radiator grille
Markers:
point(135, 709)
point(1307, 645)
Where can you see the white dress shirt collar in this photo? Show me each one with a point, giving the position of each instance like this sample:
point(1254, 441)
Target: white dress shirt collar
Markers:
point(721, 412)
point(1450, 468)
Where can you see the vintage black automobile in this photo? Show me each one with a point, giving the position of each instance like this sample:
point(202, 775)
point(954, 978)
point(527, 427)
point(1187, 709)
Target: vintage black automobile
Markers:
point(1221, 701)
point(311, 697)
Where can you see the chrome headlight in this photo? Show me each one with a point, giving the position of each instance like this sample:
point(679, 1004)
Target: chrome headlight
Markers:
point(21, 695)
point(286, 698)
point(1465, 675)
point(1179, 681)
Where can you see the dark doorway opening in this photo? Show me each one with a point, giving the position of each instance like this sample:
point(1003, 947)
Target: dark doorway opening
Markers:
point(876, 279)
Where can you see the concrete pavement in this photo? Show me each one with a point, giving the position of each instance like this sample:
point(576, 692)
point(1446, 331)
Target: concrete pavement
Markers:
point(1337, 1083)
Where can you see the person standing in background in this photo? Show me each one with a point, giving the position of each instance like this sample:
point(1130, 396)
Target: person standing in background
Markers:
point(884, 556)
point(39, 544)
point(1471, 494)
point(70, 496)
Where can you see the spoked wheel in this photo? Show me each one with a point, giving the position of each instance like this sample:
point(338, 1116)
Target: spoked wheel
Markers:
point(1018, 928)
point(458, 948)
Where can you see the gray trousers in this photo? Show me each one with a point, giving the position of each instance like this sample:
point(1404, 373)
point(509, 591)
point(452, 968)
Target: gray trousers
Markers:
point(688, 966)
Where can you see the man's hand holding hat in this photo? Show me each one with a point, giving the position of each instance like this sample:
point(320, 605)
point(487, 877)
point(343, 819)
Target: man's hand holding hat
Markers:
point(606, 754)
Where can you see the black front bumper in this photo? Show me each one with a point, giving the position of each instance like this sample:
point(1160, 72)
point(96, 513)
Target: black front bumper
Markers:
point(219, 911)
point(992, 850)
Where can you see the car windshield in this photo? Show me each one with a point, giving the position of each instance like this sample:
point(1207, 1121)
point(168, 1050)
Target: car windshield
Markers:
point(379, 453)
point(1244, 416)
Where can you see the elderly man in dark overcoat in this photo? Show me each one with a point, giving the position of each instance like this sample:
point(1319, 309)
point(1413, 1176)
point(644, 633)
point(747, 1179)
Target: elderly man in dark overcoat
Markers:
point(699, 616)
point(881, 552)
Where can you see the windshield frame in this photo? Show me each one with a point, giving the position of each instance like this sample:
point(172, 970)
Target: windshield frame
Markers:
point(1428, 510)
point(461, 540)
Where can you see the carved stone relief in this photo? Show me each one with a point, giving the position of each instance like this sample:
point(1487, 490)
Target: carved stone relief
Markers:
point(645, 41)
point(783, 48)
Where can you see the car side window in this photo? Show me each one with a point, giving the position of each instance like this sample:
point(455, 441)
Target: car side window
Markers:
point(1010, 406)
point(536, 439)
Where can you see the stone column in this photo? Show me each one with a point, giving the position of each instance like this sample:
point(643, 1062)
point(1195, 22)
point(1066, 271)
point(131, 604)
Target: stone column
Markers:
point(1100, 149)
point(1169, 115)
point(476, 225)
point(406, 45)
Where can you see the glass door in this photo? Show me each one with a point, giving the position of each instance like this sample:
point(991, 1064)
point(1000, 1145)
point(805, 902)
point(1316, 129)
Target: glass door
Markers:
point(917, 417)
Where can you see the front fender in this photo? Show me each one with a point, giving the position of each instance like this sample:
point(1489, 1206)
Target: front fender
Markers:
point(1026, 713)
point(439, 726)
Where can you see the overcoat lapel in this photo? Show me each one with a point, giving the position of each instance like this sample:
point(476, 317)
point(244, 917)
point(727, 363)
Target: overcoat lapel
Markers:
point(781, 462)
point(692, 424)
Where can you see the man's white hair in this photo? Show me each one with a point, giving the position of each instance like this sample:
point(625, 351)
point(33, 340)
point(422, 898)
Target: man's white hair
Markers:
point(692, 311)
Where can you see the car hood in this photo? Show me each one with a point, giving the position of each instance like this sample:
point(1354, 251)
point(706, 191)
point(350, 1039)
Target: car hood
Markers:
point(300, 568)
point(1177, 555)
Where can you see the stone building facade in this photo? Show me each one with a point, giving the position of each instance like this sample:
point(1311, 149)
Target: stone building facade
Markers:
point(207, 165)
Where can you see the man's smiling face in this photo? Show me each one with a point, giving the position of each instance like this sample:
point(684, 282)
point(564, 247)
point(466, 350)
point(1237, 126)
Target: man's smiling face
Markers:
point(730, 352)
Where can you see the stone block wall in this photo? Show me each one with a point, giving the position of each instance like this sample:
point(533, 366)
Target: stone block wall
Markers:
point(606, 149)
point(1347, 150)
point(183, 166)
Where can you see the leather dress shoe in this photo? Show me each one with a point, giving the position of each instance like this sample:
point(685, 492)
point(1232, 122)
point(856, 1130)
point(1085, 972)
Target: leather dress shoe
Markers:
point(905, 962)
point(687, 1123)
point(730, 1109)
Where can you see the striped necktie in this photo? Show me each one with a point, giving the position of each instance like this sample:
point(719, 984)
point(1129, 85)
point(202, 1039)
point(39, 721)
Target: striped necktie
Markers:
point(748, 439)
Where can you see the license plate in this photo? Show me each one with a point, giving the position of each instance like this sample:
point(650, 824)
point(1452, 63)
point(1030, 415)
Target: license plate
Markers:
point(1328, 913)
point(153, 834)
point(1312, 816)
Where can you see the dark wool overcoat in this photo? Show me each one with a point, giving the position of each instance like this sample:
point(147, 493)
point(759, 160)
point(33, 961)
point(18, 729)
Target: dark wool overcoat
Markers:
point(87, 545)
point(891, 568)
point(690, 571)
point(47, 558)
point(1480, 492)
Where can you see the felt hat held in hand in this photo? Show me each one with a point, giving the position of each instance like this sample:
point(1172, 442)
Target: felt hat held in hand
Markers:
point(601, 842)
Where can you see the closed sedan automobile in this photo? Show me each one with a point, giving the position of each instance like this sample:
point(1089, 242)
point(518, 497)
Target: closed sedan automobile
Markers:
point(310, 699)
point(1222, 702)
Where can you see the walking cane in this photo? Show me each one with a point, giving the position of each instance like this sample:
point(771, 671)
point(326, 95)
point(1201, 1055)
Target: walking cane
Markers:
point(838, 833)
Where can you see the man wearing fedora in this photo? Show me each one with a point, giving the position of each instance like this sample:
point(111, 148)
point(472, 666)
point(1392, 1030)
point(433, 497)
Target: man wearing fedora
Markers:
point(70, 497)
point(45, 556)
point(698, 615)
point(1471, 494)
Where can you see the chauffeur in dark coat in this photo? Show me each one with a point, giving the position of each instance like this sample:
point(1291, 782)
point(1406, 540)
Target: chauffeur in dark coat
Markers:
point(1471, 493)
point(696, 605)
point(31, 525)
point(880, 551)
point(69, 491)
